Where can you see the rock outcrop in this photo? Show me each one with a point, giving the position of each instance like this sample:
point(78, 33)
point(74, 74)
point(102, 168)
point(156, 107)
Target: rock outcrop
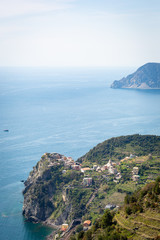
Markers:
point(40, 188)
point(55, 192)
point(146, 77)
point(50, 193)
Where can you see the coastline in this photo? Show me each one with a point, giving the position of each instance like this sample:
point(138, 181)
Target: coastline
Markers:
point(55, 228)
point(135, 88)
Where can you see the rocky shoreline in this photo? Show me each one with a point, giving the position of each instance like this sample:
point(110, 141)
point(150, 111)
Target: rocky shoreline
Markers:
point(50, 224)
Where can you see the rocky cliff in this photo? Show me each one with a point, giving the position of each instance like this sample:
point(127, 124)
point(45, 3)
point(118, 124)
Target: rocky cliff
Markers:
point(56, 193)
point(146, 77)
point(40, 188)
point(51, 190)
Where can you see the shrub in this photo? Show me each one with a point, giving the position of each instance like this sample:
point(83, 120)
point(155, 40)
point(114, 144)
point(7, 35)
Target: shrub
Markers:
point(79, 228)
point(127, 199)
point(88, 235)
point(80, 235)
point(96, 225)
point(106, 219)
point(128, 210)
point(148, 204)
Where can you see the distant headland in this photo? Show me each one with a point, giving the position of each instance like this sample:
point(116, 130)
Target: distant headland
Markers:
point(146, 77)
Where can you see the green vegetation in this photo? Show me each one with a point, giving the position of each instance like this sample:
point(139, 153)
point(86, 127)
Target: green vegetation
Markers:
point(148, 197)
point(141, 212)
point(55, 191)
point(103, 228)
point(79, 198)
point(110, 192)
point(135, 220)
point(120, 147)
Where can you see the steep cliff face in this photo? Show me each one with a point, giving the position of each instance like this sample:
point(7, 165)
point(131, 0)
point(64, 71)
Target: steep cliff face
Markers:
point(146, 77)
point(48, 190)
point(41, 186)
point(55, 191)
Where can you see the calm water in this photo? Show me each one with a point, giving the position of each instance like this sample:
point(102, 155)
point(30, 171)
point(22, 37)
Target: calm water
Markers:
point(65, 111)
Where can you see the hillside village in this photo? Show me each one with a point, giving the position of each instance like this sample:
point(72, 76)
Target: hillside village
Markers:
point(109, 173)
point(62, 192)
point(109, 169)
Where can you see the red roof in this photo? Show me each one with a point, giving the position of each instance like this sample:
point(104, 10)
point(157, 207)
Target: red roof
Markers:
point(87, 222)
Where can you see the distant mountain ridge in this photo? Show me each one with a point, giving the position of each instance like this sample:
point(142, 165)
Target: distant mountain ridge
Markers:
point(146, 77)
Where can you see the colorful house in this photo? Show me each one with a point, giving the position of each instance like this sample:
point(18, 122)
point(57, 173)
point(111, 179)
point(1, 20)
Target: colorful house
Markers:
point(87, 223)
point(64, 227)
point(85, 169)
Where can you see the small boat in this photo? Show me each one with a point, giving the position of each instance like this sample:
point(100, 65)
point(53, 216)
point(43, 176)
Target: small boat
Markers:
point(6, 130)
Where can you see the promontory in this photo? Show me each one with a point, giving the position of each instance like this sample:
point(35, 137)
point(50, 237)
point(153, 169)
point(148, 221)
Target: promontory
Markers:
point(65, 193)
point(146, 77)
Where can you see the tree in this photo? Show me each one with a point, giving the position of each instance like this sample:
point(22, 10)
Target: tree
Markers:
point(106, 219)
point(80, 235)
point(79, 228)
point(88, 235)
point(128, 210)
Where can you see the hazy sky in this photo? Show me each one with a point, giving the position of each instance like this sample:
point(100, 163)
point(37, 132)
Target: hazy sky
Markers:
point(79, 32)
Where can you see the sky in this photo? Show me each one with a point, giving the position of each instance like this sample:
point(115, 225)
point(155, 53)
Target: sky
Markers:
point(79, 33)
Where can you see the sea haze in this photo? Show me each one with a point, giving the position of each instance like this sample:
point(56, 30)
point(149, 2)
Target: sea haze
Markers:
point(60, 110)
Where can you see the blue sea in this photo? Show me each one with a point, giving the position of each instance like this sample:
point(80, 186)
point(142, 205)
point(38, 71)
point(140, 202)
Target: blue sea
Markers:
point(67, 111)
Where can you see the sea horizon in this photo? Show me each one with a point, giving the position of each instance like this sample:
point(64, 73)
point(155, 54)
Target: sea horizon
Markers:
point(65, 111)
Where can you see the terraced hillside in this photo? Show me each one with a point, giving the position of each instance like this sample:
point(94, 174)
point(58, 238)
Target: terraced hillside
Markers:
point(141, 212)
point(141, 226)
point(138, 219)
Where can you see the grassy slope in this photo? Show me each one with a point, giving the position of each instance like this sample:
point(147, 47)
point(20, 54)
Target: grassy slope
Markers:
point(140, 226)
point(143, 219)
point(120, 147)
point(137, 225)
point(106, 190)
point(110, 192)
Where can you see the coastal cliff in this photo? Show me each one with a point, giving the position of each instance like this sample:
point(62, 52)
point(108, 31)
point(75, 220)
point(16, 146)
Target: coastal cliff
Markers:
point(61, 191)
point(40, 188)
point(146, 77)
point(51, 189)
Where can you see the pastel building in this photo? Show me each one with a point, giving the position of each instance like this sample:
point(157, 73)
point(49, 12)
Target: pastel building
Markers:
point(85, 169)
point(64, 227)
point(87, 223)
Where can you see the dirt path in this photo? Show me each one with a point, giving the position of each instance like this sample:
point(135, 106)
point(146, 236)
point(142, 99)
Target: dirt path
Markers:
point(92, 198)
